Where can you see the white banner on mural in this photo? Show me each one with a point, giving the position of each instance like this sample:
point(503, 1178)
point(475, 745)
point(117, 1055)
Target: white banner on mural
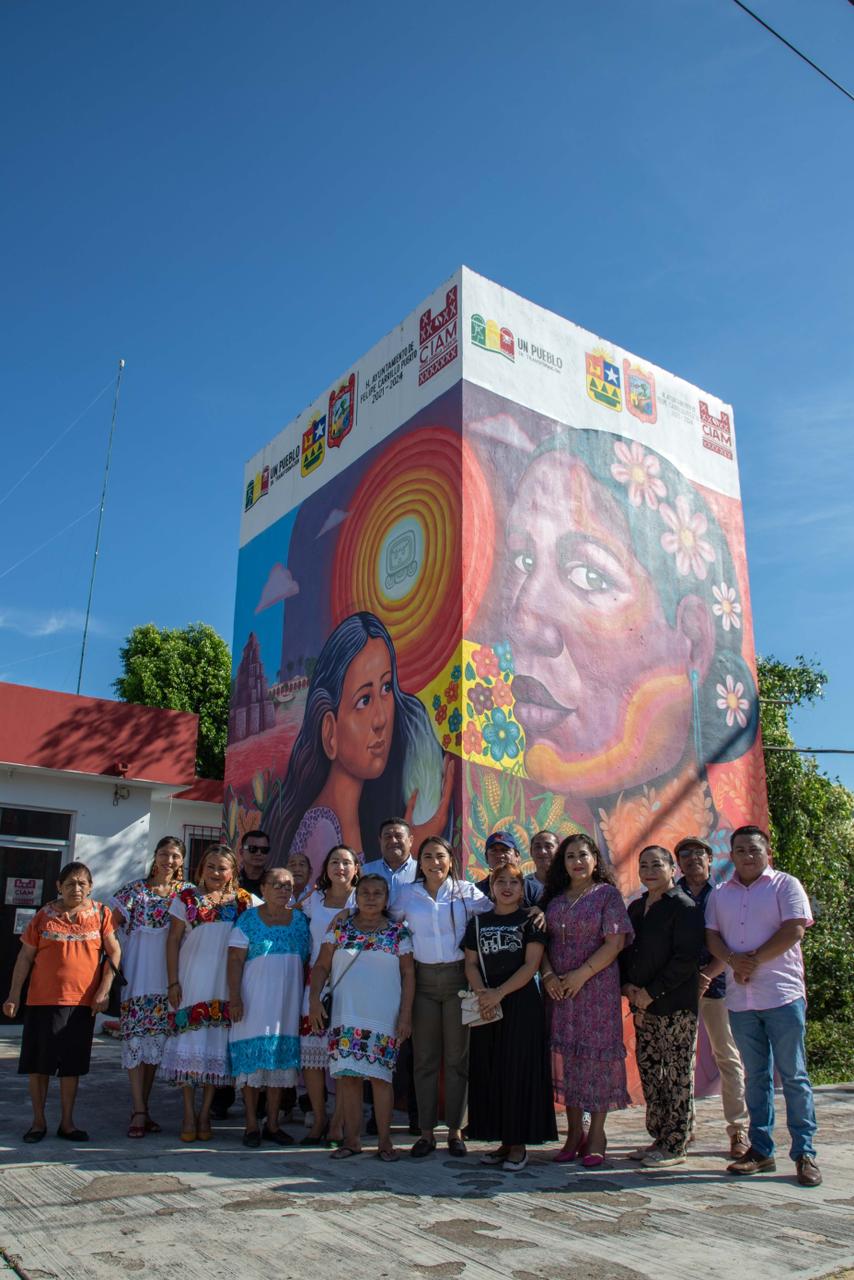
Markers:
point(546, 363)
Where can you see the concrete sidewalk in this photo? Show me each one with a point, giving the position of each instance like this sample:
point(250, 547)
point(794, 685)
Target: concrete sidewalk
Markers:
point(158, 1208)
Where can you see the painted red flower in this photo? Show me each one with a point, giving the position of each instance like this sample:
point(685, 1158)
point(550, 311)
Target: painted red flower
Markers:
point(501, 693)
point(485, 662)
point(472, 739)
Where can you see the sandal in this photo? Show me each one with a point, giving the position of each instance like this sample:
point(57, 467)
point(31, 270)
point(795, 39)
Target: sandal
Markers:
point(136, 1130)
point(189, 1135)
point(344, 1153)
point(388, 1155)
point(151, 1126)
point(423, 1147)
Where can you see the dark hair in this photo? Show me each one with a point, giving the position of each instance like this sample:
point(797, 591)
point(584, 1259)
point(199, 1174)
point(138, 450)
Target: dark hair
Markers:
point(557, 876)
point(221, 851)
point(544, 832)
point(170, 842)
point(750, 830)
point(446, 845)
point(69, 870)
point(268, 871)
point(658, 848)
point(322, 883)
point(372, 876)
point(509, 869)
point(394, 822)
point(414, 754)
point(248, 835)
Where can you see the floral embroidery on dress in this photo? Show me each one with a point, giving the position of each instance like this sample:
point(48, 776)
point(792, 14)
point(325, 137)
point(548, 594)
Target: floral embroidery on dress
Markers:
point(141, 907)
point(389, 939)
point(199, 911)
point(365, 1045)
point(70, 930)
point(276, 939)
point(144, 1016)
point(207, 1013)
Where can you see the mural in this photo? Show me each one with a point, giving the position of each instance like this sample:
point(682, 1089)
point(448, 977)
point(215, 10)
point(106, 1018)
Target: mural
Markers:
point(506, 588)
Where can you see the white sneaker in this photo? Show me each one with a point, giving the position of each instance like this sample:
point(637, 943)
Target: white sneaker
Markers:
point(514, 1166)
point(659, 1159)
point(640, 1153)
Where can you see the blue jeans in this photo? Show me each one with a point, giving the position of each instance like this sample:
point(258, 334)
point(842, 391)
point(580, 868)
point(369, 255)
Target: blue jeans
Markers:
point(763, 1034)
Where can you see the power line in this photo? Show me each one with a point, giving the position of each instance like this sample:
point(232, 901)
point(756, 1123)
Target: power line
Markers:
point(47, 543)
point(46, 653)
point(51, 447)
point(813, 751)
point(794, 49)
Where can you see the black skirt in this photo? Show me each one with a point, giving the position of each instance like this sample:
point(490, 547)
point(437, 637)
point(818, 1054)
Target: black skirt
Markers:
point(57, 1040)
point(510, 1085)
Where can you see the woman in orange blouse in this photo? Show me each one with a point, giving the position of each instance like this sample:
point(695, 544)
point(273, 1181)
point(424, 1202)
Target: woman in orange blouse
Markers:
point(62, 945)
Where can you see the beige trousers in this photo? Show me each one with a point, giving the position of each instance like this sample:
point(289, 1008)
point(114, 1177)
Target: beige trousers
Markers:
point(438, 1035)
point(716, 1021)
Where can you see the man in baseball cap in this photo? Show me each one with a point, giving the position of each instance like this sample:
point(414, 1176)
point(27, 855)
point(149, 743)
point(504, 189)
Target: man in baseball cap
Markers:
point(502, 850)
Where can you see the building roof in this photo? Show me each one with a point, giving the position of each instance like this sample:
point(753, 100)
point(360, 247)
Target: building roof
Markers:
point(49, 730)
point(207, 790)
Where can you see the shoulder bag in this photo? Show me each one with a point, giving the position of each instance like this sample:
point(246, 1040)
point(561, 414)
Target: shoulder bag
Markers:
point(469, 1004)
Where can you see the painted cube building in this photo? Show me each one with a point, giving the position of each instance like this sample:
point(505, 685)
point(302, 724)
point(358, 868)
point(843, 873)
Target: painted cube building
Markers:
point(495, 576)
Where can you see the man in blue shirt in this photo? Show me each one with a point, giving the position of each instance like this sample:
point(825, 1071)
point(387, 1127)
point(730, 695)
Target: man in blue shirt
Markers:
point(543, 849)
point(695, 862)
point(397, 865)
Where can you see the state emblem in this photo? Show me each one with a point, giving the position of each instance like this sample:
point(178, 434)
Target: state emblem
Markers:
point(342, 411)
point(603, 381)
point(313, 445)
point(640, 392)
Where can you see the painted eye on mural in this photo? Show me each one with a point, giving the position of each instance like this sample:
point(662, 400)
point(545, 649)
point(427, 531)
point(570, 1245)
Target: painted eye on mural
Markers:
point(586, 578)
point(524, 562)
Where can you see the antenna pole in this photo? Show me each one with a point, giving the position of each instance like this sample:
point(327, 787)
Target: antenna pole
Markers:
point(100, 519)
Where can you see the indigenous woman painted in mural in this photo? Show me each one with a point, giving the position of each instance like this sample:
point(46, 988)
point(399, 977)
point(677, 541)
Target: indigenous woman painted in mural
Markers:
point(618, 596)
point(365, 750)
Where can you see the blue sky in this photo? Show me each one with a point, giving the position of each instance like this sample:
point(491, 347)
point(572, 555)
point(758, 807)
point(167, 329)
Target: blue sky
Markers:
point(241, 199)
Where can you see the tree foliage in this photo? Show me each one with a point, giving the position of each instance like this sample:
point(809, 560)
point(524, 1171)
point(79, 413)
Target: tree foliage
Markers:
point(185, 669)
point(812, 830)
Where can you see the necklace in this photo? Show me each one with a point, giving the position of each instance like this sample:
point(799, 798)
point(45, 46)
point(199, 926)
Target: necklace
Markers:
point(572, 901)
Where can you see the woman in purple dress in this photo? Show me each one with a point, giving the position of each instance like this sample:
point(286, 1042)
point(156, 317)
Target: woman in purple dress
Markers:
point(587, 926)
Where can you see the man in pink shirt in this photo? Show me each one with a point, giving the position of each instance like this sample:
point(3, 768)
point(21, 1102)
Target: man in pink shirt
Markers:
point(754, 924)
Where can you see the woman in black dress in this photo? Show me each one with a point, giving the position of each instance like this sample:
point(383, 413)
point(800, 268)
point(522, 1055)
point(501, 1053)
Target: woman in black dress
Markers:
point(510, 1093)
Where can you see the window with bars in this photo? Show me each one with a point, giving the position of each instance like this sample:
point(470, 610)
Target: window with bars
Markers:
point(197, 840)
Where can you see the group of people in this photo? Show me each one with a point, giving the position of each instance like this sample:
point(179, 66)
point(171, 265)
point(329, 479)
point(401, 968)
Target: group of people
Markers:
point(396, 974)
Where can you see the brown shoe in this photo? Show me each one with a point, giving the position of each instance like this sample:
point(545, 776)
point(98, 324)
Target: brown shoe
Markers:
point(753, 1162)
point(808, 1172)
point(738, 1145)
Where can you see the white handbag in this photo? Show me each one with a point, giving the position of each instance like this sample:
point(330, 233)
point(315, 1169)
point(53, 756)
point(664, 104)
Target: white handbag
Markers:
point(469, 1004)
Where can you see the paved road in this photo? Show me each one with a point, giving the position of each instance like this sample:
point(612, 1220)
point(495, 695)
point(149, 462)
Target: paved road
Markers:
point(156, 1208)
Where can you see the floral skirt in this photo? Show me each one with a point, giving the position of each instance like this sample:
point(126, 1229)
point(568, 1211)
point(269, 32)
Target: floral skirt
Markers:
point(357, 1051)
point(196, 1049)
point(144, 1024)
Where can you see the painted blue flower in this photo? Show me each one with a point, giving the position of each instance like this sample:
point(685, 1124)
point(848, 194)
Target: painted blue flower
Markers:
point(456, 672)
point(502, 735)
point(504, 654)
point(437, 702)
point(455, 720)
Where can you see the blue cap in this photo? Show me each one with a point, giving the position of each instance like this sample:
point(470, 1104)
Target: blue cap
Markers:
point(503, 837)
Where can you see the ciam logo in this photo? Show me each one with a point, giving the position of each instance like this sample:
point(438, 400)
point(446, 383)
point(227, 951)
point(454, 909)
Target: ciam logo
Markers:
point(491, 336)
point(313, 445)
point(717, 432)
point(438, 341)
point(256, 488)
point(342, 411)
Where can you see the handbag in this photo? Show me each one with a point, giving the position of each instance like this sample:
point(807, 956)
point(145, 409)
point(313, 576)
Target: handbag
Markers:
point(326, 998)
point(114, 1001)
point(469, 1003)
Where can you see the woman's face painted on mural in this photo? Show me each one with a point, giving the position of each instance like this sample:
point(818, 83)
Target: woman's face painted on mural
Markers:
point(602, 686)
point(358, 737)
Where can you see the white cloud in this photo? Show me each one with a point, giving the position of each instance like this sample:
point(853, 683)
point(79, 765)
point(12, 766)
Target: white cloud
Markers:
point(47, 622)
point(336, 516)
point(280, 585)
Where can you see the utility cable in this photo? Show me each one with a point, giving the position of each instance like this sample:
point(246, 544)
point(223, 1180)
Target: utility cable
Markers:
point(59, 438)
point(794, 49)
point(51, 539)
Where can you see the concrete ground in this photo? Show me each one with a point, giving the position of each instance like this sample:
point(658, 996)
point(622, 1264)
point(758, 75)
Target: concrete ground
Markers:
point(158, 1208)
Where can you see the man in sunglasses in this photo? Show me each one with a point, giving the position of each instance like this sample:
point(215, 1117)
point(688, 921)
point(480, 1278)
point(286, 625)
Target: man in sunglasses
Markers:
point(254, 856)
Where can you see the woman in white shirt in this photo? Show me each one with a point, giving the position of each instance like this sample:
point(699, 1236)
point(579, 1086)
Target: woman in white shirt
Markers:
point(437, 908)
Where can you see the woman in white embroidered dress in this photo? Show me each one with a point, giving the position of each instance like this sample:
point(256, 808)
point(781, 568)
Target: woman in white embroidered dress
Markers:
point(141, 911)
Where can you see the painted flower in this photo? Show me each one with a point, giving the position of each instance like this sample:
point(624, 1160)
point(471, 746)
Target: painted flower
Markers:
point(504, 654)
point(684, 538)
point(732, 701)
point(455, 720)
point(501, 693)
point(456, 672)
point(441, 713)
point(726, 607)
point(502, 736)
point(437, 701)
point(481, 699)
point(452, 692)
point(446, 739)
point(485, 662)
point(640, 471)
point(472, 740)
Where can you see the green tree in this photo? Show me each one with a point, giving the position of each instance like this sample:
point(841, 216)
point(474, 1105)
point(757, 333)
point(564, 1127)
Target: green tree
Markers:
point(185, 669)
point(812, 829)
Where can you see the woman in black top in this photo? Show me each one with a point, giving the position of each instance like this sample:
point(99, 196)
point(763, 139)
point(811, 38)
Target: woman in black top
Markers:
point(659, 973)
point(510, 1095)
